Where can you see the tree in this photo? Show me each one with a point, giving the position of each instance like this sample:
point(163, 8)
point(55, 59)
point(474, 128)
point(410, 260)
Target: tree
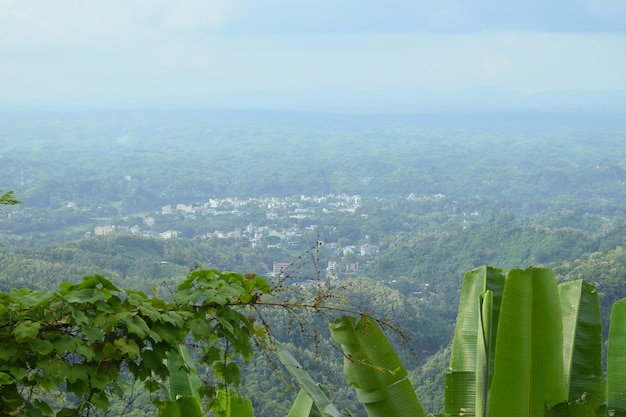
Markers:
point(84, 336)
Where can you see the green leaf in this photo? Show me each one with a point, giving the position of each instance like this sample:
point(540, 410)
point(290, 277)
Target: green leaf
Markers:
point(200, 329)
point(303, 406)
point(26, 331)
point(68, 412)
point(101, 401)
point(79, 387)
point(262, 285)
point(65, 344)
point(229, 372)
point(184, 380)
point(582, 339)
point(460, 393)
point(42, 347)
point(484, 353)
point(43, 407)
point(230, 404)
point(84, 295)
point(136, 325)
point(528, 369)
point(373, 368)
point(8, 198)
point(566, 409)
point(5, 379)
point(182, 406)
point(616, 361)
point(313, 391)
point(475, 283)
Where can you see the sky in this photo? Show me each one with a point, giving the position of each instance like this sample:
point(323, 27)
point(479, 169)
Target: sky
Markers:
point(321, 54)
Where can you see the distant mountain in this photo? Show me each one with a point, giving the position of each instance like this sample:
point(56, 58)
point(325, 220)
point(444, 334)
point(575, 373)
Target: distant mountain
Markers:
point(375, 101)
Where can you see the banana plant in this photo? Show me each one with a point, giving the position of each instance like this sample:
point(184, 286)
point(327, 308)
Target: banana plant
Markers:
point(523, 347)
point(471, 362)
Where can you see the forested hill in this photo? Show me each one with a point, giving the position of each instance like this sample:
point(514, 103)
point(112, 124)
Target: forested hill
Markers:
point(430, 268)
point(142, 160)
point(440, 262)
point(137, 262)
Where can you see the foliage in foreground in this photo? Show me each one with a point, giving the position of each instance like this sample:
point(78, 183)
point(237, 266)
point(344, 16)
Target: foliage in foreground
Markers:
point(84, 336)
point(523, 347)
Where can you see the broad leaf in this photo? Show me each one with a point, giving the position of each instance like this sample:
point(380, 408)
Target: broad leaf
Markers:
point(582, 339)
point(230, 404)
point(484, 353)
point(183, 406)
point(303, 406)
point(460, 390)
point(616, 363)
point(313, 391)
point(528, 368)
point(373, 368)
point(26, 331)
point(183, 378)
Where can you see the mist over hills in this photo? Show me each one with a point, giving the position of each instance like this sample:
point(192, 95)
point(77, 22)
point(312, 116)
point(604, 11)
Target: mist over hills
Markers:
point(357, 101)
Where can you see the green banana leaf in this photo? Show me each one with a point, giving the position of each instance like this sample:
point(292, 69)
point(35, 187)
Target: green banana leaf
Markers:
point(184, 387)
point(318, 398)
point(484, 353)
point(373, 368)
point(460, 393)
point(582, 340)
point(528, 367)
point(303, 406)
point(616, 361)
point(183, 378)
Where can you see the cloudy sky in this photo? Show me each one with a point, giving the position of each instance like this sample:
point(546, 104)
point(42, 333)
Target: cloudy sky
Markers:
point(299, 53)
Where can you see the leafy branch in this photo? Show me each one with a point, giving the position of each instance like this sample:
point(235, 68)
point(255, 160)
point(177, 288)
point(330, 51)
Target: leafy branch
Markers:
point(8, 199)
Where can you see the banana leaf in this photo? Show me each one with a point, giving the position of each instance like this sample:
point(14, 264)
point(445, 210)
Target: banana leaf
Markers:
point(616, 361)
point(460, 393)
point(184, 387)
point(528, 367)
point(183, 380)
point(582, 340)
point(484, 353)
point(303, 406)
point(373, 368)
point(317, 398)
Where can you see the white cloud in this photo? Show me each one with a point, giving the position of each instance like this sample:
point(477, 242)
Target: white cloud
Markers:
point(612, 10)
point(497, 64)
point(193, 14)
point(68, 22)
point(139, 48)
